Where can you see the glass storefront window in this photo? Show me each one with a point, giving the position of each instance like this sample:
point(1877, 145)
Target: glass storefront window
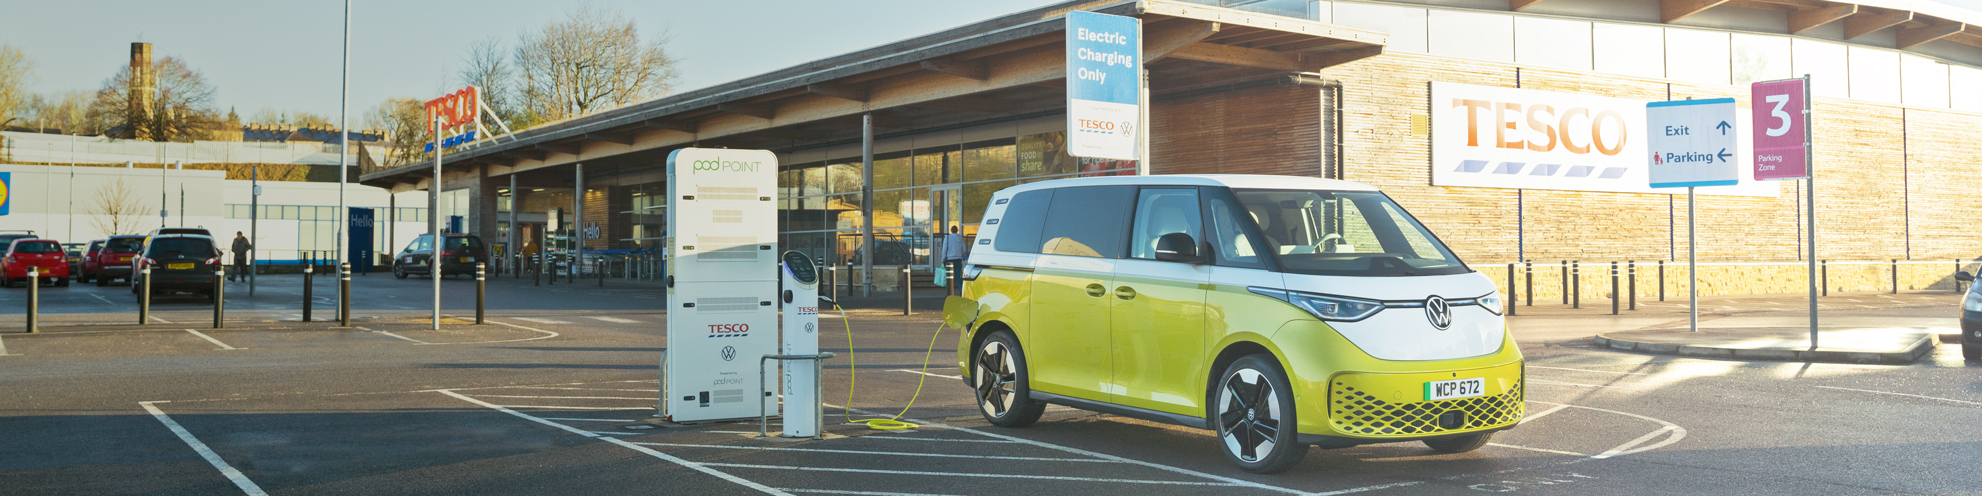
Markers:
point(929, 167)
point(977, 196)
point(892, 170)
point(987, 160)
point(1044, 154)
point(844, 177)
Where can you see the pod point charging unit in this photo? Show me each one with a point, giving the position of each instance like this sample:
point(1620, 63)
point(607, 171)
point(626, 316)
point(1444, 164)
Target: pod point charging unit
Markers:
point(800, 302)
point(722, 278)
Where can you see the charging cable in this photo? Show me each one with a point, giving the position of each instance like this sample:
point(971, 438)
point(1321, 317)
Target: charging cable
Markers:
point(892, 423)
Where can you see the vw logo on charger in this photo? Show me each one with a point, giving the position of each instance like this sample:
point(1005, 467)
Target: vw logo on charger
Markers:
point(1438, 312)
point(729, 353)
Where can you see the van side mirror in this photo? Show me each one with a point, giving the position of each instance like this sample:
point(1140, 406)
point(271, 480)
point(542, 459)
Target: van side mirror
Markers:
point(1178, 247)
point(1962, 276)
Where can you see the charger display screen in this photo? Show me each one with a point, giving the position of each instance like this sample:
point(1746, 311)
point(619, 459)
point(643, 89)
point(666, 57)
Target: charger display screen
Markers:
point(801, 267)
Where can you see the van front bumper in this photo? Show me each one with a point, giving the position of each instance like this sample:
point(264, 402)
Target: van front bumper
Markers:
point(1385, 407)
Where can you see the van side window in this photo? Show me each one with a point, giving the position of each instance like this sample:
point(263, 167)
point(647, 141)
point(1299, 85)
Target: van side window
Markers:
point(1232, 241)
point(1088, 221)
point(1161, 211)
point(1018, 230)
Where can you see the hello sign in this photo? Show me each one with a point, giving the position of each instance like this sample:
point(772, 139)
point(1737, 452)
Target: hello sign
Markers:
point(454, 110)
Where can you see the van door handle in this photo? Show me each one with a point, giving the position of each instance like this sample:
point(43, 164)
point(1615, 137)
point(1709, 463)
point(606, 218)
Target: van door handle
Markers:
point(1096, 290)
point(1125, 292)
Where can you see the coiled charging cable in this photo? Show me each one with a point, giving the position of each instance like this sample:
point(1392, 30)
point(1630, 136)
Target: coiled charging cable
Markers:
point(892, 423)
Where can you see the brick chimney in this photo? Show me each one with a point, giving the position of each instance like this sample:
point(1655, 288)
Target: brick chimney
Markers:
point(144, 85)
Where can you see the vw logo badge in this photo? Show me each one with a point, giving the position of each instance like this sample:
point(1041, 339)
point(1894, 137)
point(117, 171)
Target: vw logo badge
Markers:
point(729, 353)
point(1438, 312)
point(808, 327)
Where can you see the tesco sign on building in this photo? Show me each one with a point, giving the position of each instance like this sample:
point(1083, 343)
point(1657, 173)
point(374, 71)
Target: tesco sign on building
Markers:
point(1494, 137)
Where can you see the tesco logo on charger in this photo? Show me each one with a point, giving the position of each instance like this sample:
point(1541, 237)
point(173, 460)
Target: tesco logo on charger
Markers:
point(728, 330)
point(1096, 125)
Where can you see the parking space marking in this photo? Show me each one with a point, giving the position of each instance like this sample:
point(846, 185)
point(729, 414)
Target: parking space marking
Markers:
point(106, 301)
point(573, 388)
point(223, 346)
point(1555, 383)
point(699, 467)
point(1620, 449)
point(1904, 394)
point(163, 321)
point(886, 453)
point(541, 321)
point(3, 348)
point(615, 320)
point(580, 407)
point(913, 371)
point(240, 480)
point(859, 493)
point(569, 397)
point(967, 474)
point(586, 420)
point(389, 333)
point(1676, 433)
point(1544, 413)
point(1587, 370)
point(1544, 450)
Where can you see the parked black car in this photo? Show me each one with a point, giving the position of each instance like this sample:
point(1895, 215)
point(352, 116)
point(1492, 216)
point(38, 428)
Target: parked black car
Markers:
point(1971, 318)
point(458, 255)
point(179, 263)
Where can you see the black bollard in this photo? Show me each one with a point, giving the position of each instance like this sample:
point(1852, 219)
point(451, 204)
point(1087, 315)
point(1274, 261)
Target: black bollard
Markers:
point(1530, 268)
point(481, 292)
point(219, 296)
point(1661, 280)
point(1510, 290)
point(309, 272)
point(1576, 284)
point(1614, 296)
point(1826, 264)
point(344, 293)
point(1565, 281)
point(1632, 278)
point(1895, 273)
point(908, 296)
point(34, 299)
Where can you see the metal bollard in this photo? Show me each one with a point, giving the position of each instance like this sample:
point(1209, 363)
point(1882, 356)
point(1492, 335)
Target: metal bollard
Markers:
point(1826, 275)
point(1576, 284)
point(219, 297)
point(481, 293)
point(144, 295)
point(1895, 273)
point(599, 271)
point(1632, 278)
point(908, 292)
point(834, 270)
point(1661, 280)
point(1510, 292)
point(1614, 295)
point(1564, 271)
point(344, 292)
point(1530, 268)
point(309, 272)
point(34, 299)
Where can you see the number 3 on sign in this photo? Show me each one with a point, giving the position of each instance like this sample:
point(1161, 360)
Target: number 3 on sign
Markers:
point(1780, 116)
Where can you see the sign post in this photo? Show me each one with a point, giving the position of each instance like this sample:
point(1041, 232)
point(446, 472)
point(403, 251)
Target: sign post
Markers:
point(1693, 143)
point(1783, 152)
point(1104, 87)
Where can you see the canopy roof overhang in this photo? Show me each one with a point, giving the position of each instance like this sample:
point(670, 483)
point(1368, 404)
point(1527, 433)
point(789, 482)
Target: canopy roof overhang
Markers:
point(1004, 67)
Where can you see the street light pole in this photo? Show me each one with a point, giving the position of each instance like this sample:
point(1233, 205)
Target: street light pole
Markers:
point(344, 145)
point(433, 224)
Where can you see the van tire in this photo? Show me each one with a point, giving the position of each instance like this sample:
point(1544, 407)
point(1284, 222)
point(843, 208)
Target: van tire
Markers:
point(1249, 419)
point(1459, 444)
point(1003, 385)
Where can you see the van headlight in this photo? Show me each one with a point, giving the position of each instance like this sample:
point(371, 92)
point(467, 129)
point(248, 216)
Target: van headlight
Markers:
point(1325, 307)
point(1491, 302)
point(1973, 302)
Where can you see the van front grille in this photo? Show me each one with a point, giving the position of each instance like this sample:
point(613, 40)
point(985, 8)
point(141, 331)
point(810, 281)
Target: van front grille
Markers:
point(1362, 412)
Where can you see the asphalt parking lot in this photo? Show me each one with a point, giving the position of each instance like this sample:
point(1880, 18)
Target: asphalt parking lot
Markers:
point(556, 395)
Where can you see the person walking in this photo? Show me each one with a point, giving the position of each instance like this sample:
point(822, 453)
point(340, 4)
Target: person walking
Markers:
point(241, 249)
point(953, 246)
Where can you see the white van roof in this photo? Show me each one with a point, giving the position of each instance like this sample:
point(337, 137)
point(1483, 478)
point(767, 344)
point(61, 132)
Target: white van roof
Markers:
point(1244, 181)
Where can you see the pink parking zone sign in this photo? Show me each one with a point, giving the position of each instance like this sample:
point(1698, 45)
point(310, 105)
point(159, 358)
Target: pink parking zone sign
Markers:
point(1781, 127)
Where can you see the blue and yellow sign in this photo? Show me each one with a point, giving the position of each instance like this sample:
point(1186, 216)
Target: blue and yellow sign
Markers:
point(6, 184)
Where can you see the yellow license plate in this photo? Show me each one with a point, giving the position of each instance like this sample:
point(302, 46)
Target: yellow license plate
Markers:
point(123, 259)
point(467, 259)
point(179, 266)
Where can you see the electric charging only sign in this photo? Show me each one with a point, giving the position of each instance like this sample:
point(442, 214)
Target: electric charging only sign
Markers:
point(1104, 85)
point(1693, 143)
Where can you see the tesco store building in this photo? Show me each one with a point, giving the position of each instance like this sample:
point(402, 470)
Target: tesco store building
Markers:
point(1513, 129)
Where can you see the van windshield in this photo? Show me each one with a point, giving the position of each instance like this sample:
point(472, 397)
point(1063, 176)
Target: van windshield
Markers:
point(1345, 233)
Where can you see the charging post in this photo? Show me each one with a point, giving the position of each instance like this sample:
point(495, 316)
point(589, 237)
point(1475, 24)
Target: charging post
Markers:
point(803, 415)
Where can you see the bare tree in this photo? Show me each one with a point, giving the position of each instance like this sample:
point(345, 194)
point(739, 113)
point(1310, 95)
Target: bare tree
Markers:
point(278, 118)
point(67, 111)
point(116, 209)
point(402, 121)
point(592, 60)
point(181, 106)
point(487, 66)
point(15, 72)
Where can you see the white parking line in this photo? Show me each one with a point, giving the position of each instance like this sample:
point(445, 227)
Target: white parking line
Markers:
point(643, 449)
point(888, 453)
point(966, 474)
point(859, 493)
point(389, 333)
point(615, 320)
point(106, 301)
point(1587, 370)
point(1904, 394)
point(540, 321)
point(1559, 452)
point(913, 371)
point(1544, 413)
point(906, 438)
point(585, 420)
point(574, 389)
point(162, 321)
point(579, 407)
point(1554, 383)
point(240, 480)
point(1678, 432)
point(223, 346)
point(1620, 449)
point(650, 398)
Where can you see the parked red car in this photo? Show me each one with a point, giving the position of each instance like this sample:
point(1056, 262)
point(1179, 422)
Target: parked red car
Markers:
point(44, 253)
point(113, 259)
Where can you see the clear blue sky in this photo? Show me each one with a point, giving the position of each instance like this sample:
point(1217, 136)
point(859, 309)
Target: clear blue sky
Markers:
point(284, 55)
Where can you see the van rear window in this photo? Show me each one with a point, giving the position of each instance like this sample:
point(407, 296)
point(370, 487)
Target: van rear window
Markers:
point(1018, 230)
point(1088, 221)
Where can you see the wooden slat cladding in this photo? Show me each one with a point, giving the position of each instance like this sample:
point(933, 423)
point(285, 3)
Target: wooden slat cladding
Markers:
point(1269, 130)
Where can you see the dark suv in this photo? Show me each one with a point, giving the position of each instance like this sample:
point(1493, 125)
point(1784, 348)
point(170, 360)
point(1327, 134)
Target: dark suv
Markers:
point(458, 255)
point(179, 263)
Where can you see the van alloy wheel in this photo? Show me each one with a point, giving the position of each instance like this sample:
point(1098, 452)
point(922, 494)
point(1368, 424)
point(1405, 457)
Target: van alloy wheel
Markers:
point(1254, 414)
point(997, 379)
